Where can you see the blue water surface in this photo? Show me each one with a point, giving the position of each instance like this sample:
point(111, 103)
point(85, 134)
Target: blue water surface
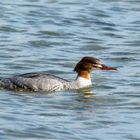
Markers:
point(52, 36)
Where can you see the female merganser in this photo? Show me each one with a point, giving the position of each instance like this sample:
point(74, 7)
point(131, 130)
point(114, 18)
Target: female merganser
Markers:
point(47, 82)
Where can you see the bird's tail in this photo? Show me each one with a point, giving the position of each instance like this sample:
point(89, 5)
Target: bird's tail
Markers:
point(1, 83)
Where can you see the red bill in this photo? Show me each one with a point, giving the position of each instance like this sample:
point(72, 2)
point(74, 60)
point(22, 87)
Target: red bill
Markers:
point(104, 67)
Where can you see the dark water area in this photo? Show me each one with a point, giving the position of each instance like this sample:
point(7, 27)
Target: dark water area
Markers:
point(52, 35)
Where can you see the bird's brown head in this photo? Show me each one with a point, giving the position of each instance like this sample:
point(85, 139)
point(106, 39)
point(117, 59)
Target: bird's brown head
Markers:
point(88, 63)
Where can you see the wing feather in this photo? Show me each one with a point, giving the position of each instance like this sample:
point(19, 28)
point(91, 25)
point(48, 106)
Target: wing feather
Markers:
point(34, 82)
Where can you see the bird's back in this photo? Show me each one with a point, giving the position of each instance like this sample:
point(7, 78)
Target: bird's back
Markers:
point(34, 82)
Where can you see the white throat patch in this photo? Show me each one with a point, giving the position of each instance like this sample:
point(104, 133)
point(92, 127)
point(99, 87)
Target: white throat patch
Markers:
point(83, 82)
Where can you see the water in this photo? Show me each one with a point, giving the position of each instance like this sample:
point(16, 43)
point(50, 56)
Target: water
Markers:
point(52, 35)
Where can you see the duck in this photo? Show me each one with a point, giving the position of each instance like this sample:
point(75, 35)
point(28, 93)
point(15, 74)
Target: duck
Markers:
point(42, 81)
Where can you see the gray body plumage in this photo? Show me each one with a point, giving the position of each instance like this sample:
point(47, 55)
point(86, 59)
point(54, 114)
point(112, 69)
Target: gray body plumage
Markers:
point(35, 82)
